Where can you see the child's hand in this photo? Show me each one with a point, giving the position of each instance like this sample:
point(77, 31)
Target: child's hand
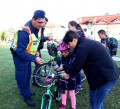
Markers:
point(66, 76)
point(56, 67)
point(60, 68)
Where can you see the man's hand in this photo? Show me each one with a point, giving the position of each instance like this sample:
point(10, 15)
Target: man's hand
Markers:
point(39, 60)
point(50, 38)
point(57, 40)
point(60, 68)
point(37, 54)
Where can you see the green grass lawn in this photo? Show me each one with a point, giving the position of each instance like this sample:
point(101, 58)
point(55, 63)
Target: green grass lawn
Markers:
point(10, 97)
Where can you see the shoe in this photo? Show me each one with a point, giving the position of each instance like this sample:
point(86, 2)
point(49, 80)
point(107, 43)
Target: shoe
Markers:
point(32, 94)
point(29, 101)
point(62, 106)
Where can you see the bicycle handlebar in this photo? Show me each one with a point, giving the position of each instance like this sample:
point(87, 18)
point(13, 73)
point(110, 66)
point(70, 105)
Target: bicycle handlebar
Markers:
point(58, 76)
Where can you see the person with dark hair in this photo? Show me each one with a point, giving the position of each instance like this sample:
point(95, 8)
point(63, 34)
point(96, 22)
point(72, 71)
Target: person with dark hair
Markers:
point(40, 47)
point(73, 25)
point(103, 37)
point(24, 51)
point(100, 69)
point(111, 44)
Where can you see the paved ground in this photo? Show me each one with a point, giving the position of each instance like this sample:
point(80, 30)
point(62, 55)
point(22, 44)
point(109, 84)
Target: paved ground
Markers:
point(116, 58)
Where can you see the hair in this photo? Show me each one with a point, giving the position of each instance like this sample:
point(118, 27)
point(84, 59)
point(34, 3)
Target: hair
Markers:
point(35, 18)
point(69, 36)
point(74, 23)
point(101, 32)
point(46, 19)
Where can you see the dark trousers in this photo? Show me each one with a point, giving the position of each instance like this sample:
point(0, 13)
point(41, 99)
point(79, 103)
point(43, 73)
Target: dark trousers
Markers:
point(97, 96)
point(23, 75)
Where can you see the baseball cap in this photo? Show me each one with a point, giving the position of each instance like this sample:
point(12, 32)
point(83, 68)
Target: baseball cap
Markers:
point(39, 14)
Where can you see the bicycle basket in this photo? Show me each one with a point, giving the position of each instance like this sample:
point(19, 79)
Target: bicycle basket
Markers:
point(52, 49)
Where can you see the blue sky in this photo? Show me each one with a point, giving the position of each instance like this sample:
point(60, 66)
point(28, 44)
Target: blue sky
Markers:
point(15, 13)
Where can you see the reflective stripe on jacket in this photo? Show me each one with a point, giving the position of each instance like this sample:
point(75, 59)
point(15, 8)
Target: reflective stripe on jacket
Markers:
point(33, 41)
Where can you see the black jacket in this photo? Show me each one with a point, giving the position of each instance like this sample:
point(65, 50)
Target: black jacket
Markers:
point(43, 39)
point(93, 58)
point(71, 82)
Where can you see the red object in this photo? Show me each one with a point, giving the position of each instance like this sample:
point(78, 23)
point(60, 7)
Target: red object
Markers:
point(108, 19)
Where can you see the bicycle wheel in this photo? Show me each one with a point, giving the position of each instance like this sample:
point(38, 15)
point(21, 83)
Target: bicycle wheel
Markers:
point(83, 76)
point(44, 70)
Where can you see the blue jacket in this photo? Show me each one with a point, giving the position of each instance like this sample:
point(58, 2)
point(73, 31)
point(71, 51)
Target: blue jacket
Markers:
point(23, 40)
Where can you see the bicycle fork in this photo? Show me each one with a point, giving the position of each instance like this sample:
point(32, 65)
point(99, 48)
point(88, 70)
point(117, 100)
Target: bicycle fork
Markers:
point(48, 97)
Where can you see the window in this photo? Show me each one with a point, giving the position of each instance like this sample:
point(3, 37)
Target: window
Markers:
point(101, 21)
point(117, 21)
point(89, 23)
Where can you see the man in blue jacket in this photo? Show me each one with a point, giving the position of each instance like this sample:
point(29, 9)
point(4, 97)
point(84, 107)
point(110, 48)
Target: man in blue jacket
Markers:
point(24, 50)
point(100, 69)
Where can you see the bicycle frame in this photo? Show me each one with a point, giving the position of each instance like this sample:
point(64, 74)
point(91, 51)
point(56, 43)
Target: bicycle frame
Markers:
point(52, 61)
point(48, 93)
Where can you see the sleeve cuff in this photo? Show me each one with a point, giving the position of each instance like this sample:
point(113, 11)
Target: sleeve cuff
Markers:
point(34, 57)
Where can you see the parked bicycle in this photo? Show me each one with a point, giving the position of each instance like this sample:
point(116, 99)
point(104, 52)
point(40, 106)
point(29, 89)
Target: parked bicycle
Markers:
point(49, 96)
point(48, 67)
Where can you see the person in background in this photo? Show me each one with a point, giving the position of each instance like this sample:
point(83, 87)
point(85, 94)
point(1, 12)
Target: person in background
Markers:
point(24, 51)
point(101, 71)
point(73, 25)
point(110, 43)
point(40, 47)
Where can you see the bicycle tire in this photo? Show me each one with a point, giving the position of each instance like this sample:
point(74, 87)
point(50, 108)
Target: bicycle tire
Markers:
point(44, 70)
point(40, 75)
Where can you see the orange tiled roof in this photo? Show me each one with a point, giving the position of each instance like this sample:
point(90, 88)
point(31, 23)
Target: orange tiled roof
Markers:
point(107, 19)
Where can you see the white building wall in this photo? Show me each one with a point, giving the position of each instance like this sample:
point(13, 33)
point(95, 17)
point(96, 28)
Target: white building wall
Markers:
point(112, 30)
